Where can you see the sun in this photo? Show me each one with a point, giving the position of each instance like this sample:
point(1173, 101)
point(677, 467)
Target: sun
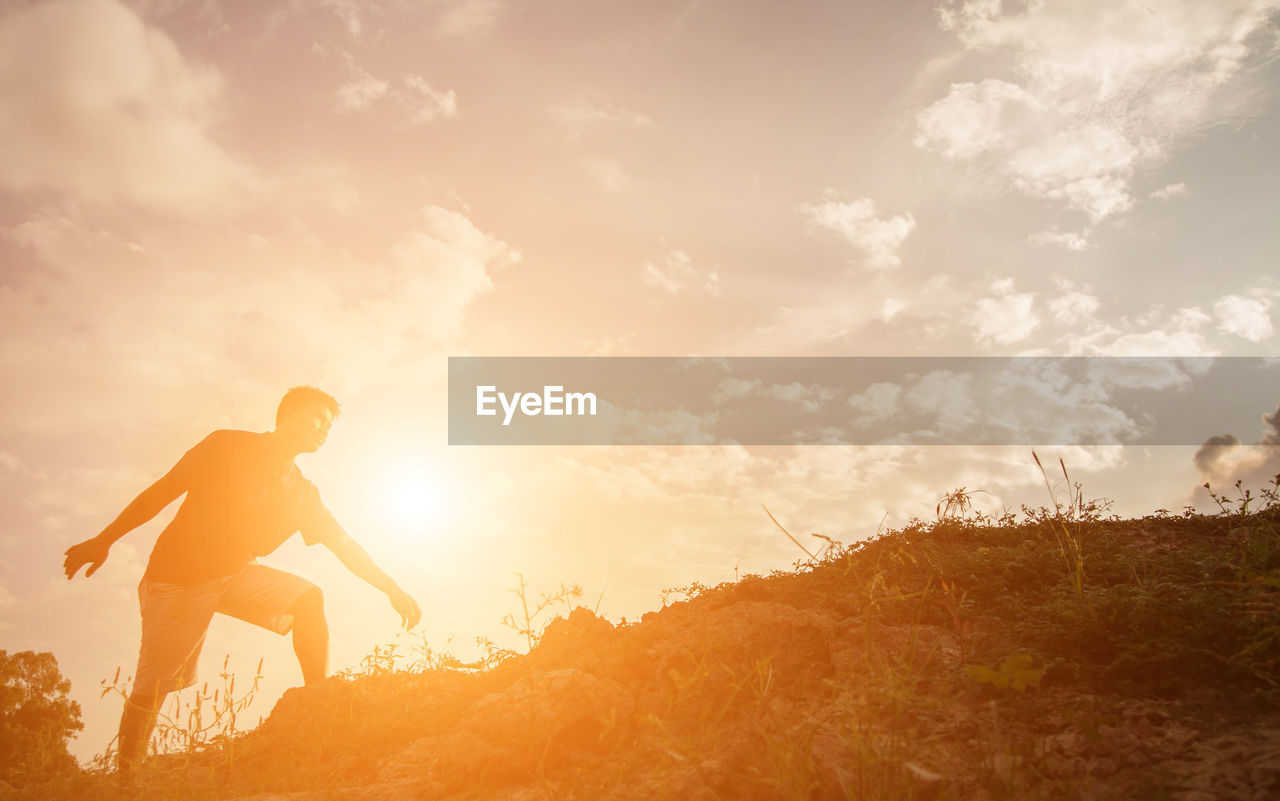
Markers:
point(412, 498)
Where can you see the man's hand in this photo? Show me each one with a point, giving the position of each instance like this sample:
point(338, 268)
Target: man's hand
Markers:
point(92, 552)
point(410, 614)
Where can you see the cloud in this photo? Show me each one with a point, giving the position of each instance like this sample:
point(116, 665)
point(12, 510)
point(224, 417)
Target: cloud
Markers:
point(419, 100)
point(974, 119)
point(877, 402)
point(581, 116)
point(445, 266)
point(1069, 240)
point(948, 398)
point(348, 11)
point(1024, 401)
point(1006, 317)
point(1092, 94)
point(674, 273)
point(810, 397)
point(1214, 450)
point(607, 174)
point(1172, 341)
point(1171, 191)
point(1073, 306)
point(102, 106)
point(361, 90)
point(1223, 460)
point(230, 311)
point(426, 103)
point(1248, 318)
point(1152, 333)
point(877, 239)
point(468, 17)
point(676, 426)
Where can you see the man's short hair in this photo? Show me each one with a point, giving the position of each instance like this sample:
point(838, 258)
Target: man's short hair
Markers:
point(300, 398)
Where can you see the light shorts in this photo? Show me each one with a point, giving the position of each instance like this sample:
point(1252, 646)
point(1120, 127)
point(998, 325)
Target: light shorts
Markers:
point(175, 619)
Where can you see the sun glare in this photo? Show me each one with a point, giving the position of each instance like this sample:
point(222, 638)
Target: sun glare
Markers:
point(412, 499)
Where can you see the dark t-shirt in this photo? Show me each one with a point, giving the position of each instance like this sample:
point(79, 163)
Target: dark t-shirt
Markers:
point(241, 504)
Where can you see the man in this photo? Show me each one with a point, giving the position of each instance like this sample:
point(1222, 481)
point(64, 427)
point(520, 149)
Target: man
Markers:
point(245, 497)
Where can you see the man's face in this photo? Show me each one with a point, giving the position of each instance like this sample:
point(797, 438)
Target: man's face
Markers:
point(308, 428)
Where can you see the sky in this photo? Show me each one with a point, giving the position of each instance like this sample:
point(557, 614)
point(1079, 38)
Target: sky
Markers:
point(204, 203)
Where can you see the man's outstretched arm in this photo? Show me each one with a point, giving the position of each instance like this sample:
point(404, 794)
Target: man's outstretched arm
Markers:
point(148, 504)
point(357, 560)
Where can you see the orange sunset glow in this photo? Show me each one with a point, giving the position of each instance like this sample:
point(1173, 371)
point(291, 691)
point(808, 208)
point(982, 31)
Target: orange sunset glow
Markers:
point(205, 203)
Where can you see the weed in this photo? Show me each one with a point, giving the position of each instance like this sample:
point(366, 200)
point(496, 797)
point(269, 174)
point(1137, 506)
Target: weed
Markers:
point(206, 722)
point(1077, 511)
point(524, 622)
point(956, 505)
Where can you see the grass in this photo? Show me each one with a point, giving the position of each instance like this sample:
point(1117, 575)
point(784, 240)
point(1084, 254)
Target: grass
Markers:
point(1058, 652)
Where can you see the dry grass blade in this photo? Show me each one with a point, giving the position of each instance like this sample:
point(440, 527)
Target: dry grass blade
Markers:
point(788, 533)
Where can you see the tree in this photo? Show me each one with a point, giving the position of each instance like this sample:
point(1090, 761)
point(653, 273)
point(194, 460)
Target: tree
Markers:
point(36, 718)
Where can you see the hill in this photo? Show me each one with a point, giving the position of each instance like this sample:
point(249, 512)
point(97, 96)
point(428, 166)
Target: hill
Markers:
point(1056, 654)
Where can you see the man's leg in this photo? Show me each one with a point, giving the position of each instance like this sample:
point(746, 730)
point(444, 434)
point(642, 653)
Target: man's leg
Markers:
point(136, 724)
point(311, 635)
point(175, 618)
point(283, 602)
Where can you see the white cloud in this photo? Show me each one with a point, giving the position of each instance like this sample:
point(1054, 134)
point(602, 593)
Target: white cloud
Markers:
point(1006, 317)
point(877, 239)
point(1157, 342)
point(583, 115)
point(426, 103)
point(1171, 191)
point(245, 315)
point(102, 106)
point(809, 397)
point(947, 398)
point(976, 118)
point(1073, 306)
point(1249, 318)
point(348, 11)
point(468, 17)
point(1094, 93)
point(608, 174)
point(1071, 240)
point(674, 273)
point(360, 91)
point(1152, 333)
point(420, 101)
point(1027, 400)
point(876, 402)
point(445, 266)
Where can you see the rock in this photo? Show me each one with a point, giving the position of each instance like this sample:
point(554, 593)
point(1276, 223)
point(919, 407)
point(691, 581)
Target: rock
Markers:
point(566, 635)
point(796, 642)
point(550, 718)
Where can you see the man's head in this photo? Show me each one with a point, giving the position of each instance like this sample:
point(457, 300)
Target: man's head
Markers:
point(303, 418)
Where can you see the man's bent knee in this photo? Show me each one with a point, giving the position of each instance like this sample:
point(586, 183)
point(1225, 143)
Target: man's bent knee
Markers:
point(309, 608)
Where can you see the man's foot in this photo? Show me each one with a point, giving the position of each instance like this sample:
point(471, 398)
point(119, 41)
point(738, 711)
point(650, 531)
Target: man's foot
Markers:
point(126, 777)
point(127, 772)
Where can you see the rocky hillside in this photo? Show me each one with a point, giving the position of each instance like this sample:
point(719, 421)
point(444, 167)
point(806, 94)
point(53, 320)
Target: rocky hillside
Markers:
point(1056, 655)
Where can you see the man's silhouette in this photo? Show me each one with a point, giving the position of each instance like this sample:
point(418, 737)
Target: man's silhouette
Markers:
point(245, 497)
